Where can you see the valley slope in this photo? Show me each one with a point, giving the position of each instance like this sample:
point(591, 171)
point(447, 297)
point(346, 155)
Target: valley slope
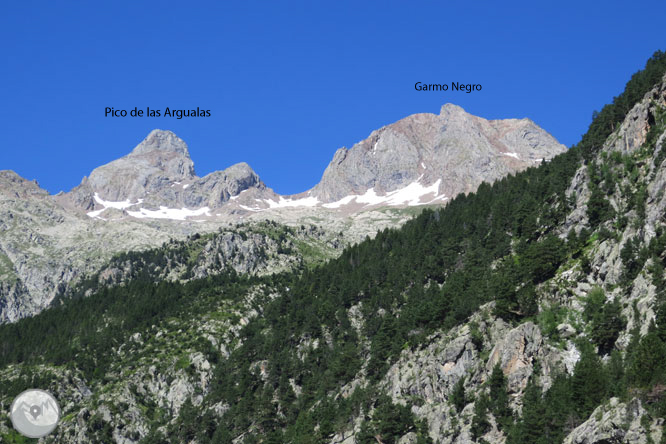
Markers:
point(530, 311)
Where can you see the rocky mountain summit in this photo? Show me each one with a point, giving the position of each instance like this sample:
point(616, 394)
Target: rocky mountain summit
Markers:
point(153, 194)
point(439, 155)
point(161, 158)
point(421, 159)
point(159, 173)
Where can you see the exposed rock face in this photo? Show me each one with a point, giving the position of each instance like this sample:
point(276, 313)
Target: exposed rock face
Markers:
point(217, 188)
point(159, 172)
point(159, 160)
point(431, 158)
point(15, 195)
point(454, 147)
point(616, 422)
point(606, 264)
point(13, 186)
point(430, 373)
point(43, 247)
point(635, 126)
point(258, 250)
point(438, 367)
point(516, 353)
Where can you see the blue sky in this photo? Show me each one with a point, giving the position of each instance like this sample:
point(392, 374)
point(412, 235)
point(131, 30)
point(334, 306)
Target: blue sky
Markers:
point(288, 83)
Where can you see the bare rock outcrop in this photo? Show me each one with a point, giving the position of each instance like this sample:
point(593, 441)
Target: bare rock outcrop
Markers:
point(516, 353)
point(160, 173)
point(617, 422)
point(456, 148)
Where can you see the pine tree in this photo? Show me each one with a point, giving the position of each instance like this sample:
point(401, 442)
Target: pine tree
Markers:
point(480, 422)
point(504, 287)
point(543, 258)
point(594, 302)
point(606, 326)
point(648, 360)
point(499, 398)
point(589, 382)
point(458, 395)
point(599, 209)
point(617, 381)
point(389, 422)
point(558, 408)
point(529, 429)
point(661, 320)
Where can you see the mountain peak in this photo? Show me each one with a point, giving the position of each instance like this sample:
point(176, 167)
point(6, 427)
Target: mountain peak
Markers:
point(241, 167)
point(159, 160)
point(450, 108)
point(455, 150)
point(14, 186)
point(163, 141)
point(160, 173)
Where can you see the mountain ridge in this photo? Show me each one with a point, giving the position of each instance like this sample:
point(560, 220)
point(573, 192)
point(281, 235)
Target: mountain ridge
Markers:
point(153, 194)
point(446, 146)
point(399, 164)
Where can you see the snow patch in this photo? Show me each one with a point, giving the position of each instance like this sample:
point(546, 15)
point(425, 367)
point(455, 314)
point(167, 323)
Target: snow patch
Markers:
point(169, 213)
point(411, 195)
point(514, 155)
point(238, 195)
point(118, 205)
point(249, 208)
point(95, 214)
point(283, 203)
point(344, 201)
point(185, 186)
point(111, 204)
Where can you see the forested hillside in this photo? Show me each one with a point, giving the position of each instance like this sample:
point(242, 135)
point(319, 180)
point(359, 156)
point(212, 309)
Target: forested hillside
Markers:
point(530, 311)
